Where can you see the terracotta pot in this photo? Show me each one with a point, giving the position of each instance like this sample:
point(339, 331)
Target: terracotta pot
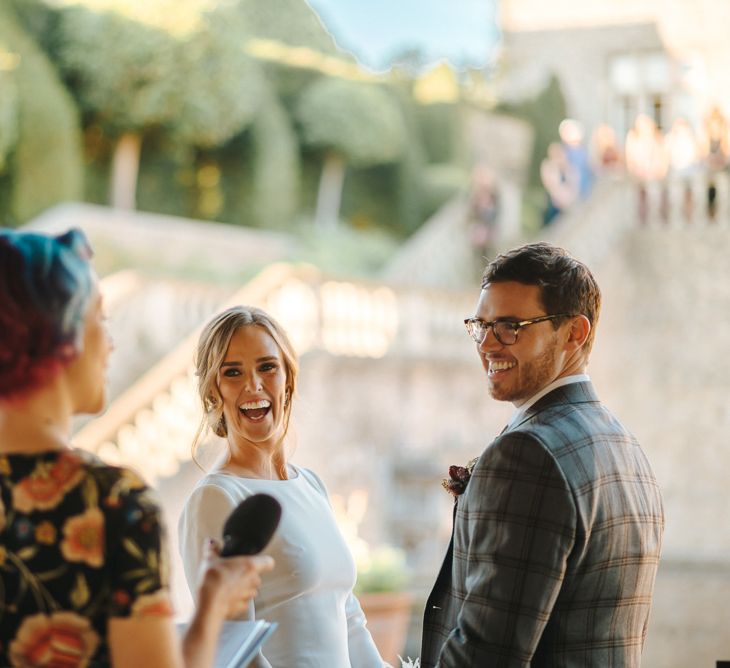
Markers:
point(388, 615)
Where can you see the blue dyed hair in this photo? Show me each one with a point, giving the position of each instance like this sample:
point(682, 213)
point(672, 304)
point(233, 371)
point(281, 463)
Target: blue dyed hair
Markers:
point(45, 288)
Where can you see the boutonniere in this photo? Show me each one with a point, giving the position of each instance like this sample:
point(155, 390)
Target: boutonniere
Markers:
point(458, 478)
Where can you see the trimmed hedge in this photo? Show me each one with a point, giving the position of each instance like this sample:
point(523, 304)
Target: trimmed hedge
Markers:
point(46, 166)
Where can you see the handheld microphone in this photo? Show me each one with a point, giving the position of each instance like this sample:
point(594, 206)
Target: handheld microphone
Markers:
point(251, 525)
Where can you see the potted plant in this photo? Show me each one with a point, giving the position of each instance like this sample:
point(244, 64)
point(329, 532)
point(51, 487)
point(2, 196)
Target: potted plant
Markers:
point(382, 577)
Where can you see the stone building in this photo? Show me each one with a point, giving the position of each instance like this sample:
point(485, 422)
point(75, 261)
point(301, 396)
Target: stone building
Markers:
point(616, 58)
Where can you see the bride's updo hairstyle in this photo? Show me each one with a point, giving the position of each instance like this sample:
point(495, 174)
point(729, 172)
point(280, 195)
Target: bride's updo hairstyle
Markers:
point(45, 288)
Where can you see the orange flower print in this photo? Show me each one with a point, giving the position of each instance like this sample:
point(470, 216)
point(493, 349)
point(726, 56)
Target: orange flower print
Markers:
point(130, 480)
point(45, 487)
point(84, 538)
point(45, 533)
point(153, 605)
point(3, 519)
point(3, 555)
point(4, 465)
point(121, 598)
point(62, 639)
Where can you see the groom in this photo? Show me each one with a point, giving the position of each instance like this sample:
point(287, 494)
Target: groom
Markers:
point(557, 535)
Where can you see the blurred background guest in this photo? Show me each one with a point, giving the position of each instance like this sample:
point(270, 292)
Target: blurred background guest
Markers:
point(560, 180)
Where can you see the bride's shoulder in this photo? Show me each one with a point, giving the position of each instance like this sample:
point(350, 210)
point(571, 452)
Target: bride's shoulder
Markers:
point(312, 479)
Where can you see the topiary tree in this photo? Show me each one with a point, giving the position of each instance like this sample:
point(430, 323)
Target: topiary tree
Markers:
point(350, 122)
point(302, 37)
point(302, 27)
point(276, 169)
point(39, 128)
point(411, 166)
point(543, 112)
point(9, 61)
point(260, 171)
point(137, 66)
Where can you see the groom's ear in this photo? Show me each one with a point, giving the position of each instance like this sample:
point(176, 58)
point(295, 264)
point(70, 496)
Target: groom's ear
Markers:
point(580, 328)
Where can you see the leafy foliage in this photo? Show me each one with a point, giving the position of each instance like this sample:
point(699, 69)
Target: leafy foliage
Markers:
point(8, 104)
point(358, 120)
point(544, 113)
point(383, 569)
point(344, 251)
point(440, 130)
point(167, 177)
point(370, 197)
point(409, 183)
point(45, 167)
point(200, 84)
point(301, 28)
point(276, 169)
point(260, 171)
point(441, 183)
point(229, 132)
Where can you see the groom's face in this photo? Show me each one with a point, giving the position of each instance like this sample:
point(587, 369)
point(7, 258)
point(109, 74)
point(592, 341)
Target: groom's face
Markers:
point(518, 371)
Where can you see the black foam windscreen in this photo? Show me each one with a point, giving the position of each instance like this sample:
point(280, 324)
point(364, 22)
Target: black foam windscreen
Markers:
point(251, 525)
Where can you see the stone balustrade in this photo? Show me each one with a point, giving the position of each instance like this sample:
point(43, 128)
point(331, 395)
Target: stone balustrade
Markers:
point(701, 197)
point(148, 316)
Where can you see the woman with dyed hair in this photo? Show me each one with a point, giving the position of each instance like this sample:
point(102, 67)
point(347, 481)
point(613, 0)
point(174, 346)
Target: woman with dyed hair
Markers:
point(83, 577)
point(247, 378)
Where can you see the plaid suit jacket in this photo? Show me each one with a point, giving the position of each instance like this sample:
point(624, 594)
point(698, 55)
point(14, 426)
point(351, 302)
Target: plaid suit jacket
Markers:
point(555, 546)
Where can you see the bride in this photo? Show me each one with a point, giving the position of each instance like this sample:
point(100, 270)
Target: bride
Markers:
point(247, 372)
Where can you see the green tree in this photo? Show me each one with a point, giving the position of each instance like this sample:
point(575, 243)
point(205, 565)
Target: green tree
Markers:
point(139, 66)
point(40, 129)
point(356, 123)
point(9, 61)
point(276, 167)
point(544, 112)
point(294, 52)
point(410, 170)
point(301, 27)
point(260, 170)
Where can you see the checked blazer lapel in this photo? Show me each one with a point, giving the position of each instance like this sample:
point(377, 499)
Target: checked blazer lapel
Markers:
point(445, 572)
point(573, 393)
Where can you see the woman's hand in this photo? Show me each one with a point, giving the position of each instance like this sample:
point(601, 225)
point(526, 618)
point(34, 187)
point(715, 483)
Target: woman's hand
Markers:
point(227, 584)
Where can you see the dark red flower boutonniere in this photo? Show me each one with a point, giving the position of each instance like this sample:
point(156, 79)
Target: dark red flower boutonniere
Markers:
point(458, 478)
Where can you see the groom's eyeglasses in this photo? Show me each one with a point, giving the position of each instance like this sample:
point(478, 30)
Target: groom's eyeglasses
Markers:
point(505, 331)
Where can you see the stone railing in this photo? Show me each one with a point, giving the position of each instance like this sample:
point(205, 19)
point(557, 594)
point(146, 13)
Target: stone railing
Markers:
point(594, 228)
point(150, 316)
point(701, 197)
point(150, 425)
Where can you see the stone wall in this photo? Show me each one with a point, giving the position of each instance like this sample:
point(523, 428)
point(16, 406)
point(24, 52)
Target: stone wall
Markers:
point(659, 364)
point(579, 57)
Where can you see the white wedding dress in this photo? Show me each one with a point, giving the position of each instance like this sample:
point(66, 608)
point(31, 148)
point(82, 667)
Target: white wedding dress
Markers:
point(309, 592)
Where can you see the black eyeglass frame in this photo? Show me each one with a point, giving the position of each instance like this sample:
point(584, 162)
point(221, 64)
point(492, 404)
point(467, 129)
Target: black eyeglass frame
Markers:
point(516, 326)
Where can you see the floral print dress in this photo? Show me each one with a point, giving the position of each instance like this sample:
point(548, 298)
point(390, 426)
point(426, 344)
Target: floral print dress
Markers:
point(80, 542)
